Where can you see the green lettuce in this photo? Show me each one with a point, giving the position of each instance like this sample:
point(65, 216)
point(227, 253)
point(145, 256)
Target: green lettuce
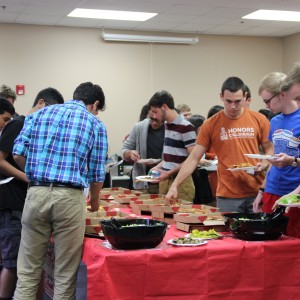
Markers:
point(289, 199)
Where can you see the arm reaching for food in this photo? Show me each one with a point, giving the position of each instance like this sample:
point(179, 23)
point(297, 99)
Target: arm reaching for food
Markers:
point(292, 197)
point(258, 202)
point(187, 168)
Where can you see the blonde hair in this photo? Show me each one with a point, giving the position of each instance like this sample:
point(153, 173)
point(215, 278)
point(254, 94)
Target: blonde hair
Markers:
point(182, 107)
point(272, 82)
point(293, 77)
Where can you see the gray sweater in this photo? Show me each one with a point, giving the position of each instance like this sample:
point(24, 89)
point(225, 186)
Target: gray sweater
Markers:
point(137, 140)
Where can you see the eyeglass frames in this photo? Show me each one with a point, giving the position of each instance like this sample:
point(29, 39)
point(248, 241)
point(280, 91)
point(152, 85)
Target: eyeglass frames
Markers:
point(269, 100)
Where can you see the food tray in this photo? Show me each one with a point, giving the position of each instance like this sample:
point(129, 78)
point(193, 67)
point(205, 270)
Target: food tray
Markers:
point(93, 218)
point(117, 192)
point(171, 208)
point(189, 227)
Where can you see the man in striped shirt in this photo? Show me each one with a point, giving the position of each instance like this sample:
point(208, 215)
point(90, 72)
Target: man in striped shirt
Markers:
point(180, 138)
point(63, 149)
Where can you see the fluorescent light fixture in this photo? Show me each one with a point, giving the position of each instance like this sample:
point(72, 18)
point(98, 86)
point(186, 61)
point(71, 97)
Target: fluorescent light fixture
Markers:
point(111, 14)
point(148, 39)
point(274, 15)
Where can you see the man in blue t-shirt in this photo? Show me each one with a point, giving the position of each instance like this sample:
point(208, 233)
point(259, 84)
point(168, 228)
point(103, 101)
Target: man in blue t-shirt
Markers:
point(278, 93)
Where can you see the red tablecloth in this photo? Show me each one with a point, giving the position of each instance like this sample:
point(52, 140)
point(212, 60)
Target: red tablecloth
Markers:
point(222, 269)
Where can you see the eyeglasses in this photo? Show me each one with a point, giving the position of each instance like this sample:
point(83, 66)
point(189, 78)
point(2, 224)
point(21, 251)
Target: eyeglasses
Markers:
point(269, 100)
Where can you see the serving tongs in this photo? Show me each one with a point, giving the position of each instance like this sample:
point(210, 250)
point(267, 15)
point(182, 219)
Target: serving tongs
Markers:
point(279, 211)
point(115, 223)
point(268, 217)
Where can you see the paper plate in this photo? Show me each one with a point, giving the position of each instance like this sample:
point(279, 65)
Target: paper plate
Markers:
point(149, 161)
point(261, 156)
point(201, 242)
point(6, 180)
point(203, 239)
point(146, 178)
point(241, 169)
point(290, 205)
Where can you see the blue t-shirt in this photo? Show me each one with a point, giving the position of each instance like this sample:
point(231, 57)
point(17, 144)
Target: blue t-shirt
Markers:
point(285, 135)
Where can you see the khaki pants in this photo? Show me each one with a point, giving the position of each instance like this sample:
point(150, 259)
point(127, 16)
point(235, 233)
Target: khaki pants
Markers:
point(186, 190)
point(57, 211)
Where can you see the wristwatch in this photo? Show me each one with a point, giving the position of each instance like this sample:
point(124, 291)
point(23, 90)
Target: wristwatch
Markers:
point(294, 164)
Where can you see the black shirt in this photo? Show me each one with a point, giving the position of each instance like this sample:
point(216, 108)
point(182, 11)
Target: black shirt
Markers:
point(155, 143)
point(13, 193)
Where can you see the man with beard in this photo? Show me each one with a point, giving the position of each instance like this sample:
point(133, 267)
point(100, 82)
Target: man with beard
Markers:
point(145, 141)
point(180, 138)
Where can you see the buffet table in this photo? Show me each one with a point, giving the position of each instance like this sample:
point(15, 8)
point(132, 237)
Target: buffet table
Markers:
point(222, 269)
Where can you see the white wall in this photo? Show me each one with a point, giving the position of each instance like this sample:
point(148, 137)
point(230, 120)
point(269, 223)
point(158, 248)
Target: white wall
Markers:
point(291, 54)
point(62, 57)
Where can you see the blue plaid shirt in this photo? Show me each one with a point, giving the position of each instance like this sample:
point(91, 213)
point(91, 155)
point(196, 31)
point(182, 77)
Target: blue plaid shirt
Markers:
point(63, 143)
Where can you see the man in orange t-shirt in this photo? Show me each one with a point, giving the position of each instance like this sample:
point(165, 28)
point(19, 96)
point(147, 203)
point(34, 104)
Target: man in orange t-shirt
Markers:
point(232, 133)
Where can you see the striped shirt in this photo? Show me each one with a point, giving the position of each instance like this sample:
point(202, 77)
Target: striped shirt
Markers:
point(179, 135)
point(63, 143)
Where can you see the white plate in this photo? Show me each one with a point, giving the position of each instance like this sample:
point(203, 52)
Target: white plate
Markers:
point(203, 239)
point(201, 242)
point(261, 156)
point(146, 178)
point(149, 161)
point(290, 205)
point(6, 180)
point(242, 169)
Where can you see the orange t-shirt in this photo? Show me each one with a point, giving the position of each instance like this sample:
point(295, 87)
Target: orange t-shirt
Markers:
point(231, 139)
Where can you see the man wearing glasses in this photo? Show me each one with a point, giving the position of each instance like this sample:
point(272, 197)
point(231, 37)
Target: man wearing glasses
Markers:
point(145, 141)
point(279, 93)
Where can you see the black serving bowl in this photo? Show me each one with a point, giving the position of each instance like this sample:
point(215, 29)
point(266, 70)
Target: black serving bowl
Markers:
point(134, 233)
point(255, 226)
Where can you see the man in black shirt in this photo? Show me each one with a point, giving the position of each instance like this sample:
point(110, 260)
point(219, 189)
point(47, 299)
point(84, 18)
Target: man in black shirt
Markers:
point(13, 193)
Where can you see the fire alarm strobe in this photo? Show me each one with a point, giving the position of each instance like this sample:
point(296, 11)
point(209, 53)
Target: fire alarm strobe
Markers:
point(20, 89)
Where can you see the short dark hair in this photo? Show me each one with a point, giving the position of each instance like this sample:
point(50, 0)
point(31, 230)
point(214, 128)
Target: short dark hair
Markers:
point(89, 93)
point(213, 110)
point(233, 84)
point(247, 90)
point(6, 106)
point(7, 92)
point(267, 113)
point(144, 112)
point(50, 96)
point(161, 98)
point(196, 120)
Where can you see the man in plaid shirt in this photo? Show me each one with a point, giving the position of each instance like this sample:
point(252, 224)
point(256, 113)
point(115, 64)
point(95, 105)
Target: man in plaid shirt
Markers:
point(63, 149)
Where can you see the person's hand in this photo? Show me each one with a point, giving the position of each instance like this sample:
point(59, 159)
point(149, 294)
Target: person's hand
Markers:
point(134, 155)
point(171, 195)
point(276, 205)
point(94, 205)
point(282, 160)
point(163, 174)
point(258, 202)
point(261, 167)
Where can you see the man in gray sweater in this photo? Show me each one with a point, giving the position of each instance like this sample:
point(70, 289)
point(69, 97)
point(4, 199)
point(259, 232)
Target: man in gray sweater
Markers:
point(145, 141)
